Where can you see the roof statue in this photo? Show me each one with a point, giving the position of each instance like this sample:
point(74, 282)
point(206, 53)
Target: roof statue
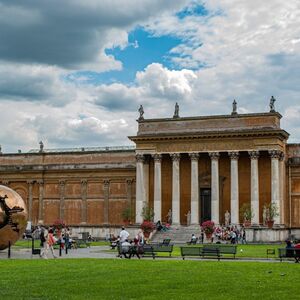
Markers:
point(41, 146)
point(141, 112)
point(272, 106)
point(176, 112)
point(234, 108)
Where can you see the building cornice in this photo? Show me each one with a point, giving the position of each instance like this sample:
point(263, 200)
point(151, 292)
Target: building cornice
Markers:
point(281, 134)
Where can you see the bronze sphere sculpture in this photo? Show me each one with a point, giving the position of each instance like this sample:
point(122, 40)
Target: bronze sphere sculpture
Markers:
point(13, 216)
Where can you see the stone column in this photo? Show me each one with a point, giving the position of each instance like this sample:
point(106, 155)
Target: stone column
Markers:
point(282, 176)
point(194, 189)
point(157, 187)
point(41, 201)
point(146, 179)
point(175, 188)
point(129, 196)
point(275, 183)
point(254, 155)
point(62, 199)
point(140, 188)
point(234, 187)
point(30, 197)
point(83, 201)
point(215, 193)
point(106, 201)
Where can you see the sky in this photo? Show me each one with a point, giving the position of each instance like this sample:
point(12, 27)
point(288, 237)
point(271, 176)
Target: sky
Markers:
point(74, 72)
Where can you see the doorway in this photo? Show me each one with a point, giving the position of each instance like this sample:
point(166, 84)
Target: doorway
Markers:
point(205, 205)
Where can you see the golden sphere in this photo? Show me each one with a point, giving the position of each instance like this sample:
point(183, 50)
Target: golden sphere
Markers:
point(13, 216)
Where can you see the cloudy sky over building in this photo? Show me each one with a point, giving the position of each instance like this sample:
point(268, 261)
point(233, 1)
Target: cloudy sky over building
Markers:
point(74, 72)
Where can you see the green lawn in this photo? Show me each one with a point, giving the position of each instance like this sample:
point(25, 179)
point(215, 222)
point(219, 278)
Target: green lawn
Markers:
point(147, 279)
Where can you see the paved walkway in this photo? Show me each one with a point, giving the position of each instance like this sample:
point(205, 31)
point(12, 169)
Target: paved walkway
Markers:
point(105, 252)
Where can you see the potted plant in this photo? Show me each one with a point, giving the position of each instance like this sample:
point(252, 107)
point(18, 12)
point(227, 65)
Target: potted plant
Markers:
point(208, 227)
point(148, 213)
point(272, 212)
point(126, 215)
point(147, 227)
point(246, 214)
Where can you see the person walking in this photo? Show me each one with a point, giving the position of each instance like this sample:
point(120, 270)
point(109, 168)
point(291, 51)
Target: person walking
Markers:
point(43, 239)
point(50, 242)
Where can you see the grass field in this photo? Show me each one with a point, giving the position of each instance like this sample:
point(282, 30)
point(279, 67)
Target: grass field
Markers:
point(147, 279)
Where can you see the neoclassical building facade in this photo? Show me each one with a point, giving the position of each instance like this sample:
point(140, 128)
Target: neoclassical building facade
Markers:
point(197, 167)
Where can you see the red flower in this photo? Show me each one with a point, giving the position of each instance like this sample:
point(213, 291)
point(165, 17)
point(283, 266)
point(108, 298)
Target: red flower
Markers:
point(147, 226)
point(208, 226)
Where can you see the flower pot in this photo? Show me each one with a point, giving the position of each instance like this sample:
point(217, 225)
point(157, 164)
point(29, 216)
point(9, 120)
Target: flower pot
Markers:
point(146, 234)
point(208, 235)
point(247, 223)
point(270, 223)
point(126, 222)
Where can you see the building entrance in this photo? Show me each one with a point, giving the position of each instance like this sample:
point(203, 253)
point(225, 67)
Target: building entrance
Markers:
point(205, 205)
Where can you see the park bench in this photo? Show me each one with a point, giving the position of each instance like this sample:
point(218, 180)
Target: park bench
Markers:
point(77, 243)
point(289, 253)
point(210, 251)
point(190, 251)
point(162, 248)
point(148, 250)
point(224, 249)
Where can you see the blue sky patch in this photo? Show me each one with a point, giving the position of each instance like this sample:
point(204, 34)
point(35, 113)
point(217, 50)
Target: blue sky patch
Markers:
point(143, 50)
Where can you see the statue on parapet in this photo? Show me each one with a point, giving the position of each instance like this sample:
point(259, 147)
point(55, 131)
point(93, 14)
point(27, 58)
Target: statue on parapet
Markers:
point(41, 146)
point(234, 108)
point(141, 112)
point(272, 105)
point(176, 112)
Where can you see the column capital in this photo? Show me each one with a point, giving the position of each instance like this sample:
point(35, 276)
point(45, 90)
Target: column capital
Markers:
point(194, 156)
point(106, 182)
point(83, 181)
point(30, 182)
point(140, 158)
point(129, 181)
point(275, 154)
point(281, 158)
point(62, 182)
point(157, 157)
point(40, 182)
point(5, 182)
point(175, 156)
point(234, 155)
point(214, 155)
point(254, 154)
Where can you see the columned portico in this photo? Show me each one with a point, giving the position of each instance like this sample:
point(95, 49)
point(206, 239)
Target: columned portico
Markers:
point(140, 188)
point(157, 187)
point(275, 183)
point(175, 188)
point(194, 188)
point(215, 194)
point(254, 155)
point(234, 187)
